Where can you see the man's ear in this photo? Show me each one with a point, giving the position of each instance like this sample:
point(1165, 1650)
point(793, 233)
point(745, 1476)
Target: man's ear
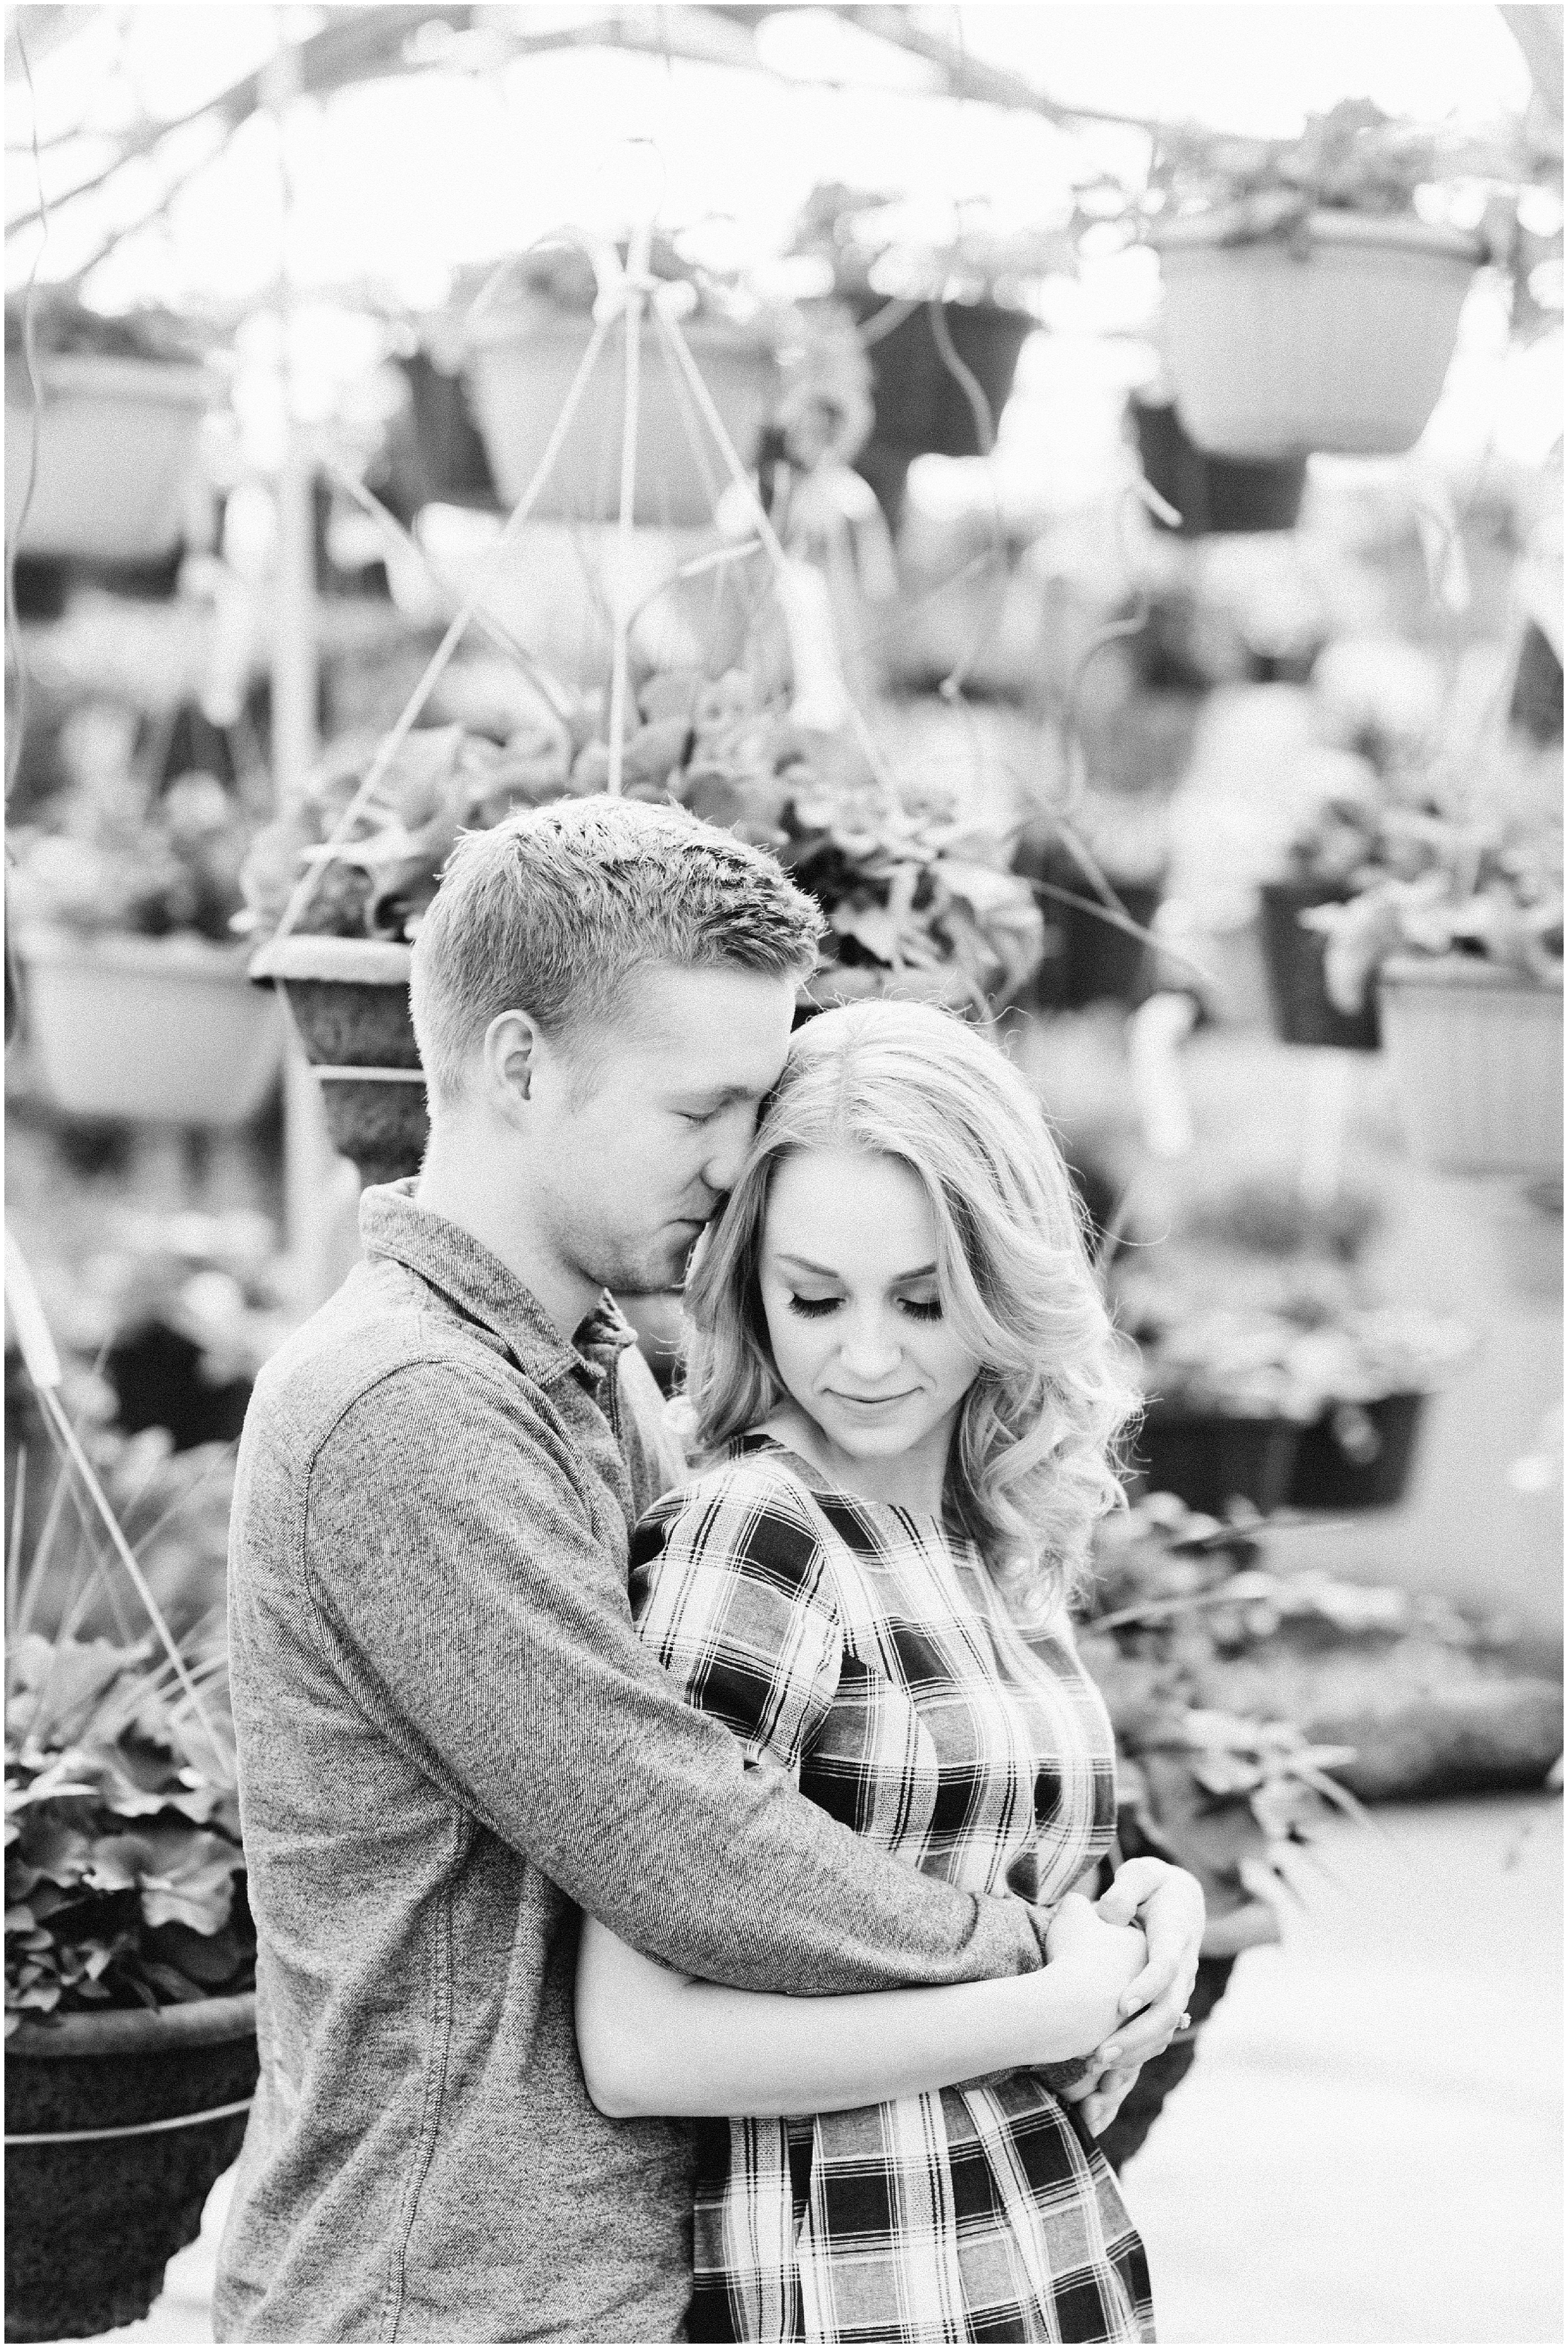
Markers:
point(508, 1056)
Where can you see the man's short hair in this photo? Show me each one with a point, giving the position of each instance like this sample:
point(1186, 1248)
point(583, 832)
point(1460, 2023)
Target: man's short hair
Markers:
point(553, 910)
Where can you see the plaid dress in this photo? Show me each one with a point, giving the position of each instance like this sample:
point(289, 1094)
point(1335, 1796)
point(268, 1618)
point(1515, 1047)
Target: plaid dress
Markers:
point(864, 1648)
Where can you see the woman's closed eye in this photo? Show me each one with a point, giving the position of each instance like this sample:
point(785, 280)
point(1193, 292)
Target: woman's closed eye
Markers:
point(816, 1308)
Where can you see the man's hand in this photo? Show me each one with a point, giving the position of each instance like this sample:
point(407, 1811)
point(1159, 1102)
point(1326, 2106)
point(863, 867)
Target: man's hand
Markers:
point(1168, 1903)
point(1101, 2094)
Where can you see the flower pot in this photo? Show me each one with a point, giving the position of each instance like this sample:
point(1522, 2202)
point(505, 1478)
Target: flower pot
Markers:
point(1298, 996)
point(1215, 496)
point(1208, 1460)
point(91, 2223)
point(348, 1001)
point(922, 409)
point(1357, 1455)
point(1338, 339)
point(447, 464)
point(1475, 1052)
point(520, 370)
point(1089, 959)
point(117, 442)
point(163, 1030)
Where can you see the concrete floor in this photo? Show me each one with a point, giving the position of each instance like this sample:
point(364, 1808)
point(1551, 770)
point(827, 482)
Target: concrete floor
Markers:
point(1369, 2147)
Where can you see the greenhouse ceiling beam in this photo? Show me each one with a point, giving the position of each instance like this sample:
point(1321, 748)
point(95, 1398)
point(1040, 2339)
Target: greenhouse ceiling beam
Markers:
point(967, 76)
point(354, 45)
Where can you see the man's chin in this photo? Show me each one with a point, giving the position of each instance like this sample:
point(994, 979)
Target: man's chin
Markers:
point(655, 1269)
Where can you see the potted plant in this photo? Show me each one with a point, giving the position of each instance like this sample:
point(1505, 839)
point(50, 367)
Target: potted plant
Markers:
point(943, 322)
point(1419, 1699)
point(524, 337)
point(131, 2046)
point(1088, 955)
point(1332, 853)
point(1215, 496)
point(913, 904)
point(1460, 918)
point(109, 442)
point(136, 999)
point(1308, 304)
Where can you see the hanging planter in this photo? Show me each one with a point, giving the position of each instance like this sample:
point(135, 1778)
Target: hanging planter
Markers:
point(1336, 338)
point(1357, 1455)
point(348, 1000)
point(922, 409)
point(1475, 1052)
point(155, 1030)
point(1209, 1458)
point(92, 2222)
point(1215, 496)
point(117, 440)
point(520, 370)
point(1298, 993)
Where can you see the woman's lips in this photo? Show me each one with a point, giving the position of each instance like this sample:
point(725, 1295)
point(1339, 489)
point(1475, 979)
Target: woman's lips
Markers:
point(870, 1402)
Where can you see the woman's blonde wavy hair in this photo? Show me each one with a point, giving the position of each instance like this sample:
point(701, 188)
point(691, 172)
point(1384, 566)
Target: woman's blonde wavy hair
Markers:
point(1033, 1463)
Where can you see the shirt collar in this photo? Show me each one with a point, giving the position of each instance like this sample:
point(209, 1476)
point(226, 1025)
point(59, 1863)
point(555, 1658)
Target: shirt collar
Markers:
point(391, 1223)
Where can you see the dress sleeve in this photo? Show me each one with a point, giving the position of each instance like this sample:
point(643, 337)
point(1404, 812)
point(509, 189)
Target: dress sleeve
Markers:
point(730, 1590)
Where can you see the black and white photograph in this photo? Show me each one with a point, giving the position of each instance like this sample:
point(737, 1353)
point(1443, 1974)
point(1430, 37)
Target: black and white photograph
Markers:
point(783, 1172)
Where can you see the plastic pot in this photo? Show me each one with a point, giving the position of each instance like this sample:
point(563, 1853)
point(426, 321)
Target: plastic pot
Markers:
point(1207, 1460)
point(922, 409)
point(447, 464)
point(1475, 1053)
point(1089, 959)
point(93, 2221)
point(348, 1001)
point(1299, 996)
point(1215, 496)
point(161, 1030)
point(117, 443)
point(1337, 339)
point(520, 370)
point(1357, 1455)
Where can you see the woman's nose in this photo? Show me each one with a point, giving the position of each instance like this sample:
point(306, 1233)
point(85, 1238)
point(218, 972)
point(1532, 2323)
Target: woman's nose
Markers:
point(870, 1348)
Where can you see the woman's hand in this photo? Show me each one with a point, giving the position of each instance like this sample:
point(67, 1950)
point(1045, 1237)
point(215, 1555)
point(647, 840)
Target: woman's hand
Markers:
point(1168, 1903)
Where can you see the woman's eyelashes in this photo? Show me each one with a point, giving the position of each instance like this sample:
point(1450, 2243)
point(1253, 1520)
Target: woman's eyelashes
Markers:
point(816, 1308)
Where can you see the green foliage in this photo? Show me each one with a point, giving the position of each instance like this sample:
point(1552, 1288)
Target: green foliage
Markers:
point(905, 885)
point(1228, 1797)
point(123, 1864)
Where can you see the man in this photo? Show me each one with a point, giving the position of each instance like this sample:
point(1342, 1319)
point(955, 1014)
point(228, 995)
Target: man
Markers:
point(449, 1736)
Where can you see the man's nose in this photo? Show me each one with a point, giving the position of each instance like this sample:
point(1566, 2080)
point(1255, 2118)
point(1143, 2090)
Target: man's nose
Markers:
point(730, 1140)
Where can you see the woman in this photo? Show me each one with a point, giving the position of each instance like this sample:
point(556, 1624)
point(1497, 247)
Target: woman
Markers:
point(902, 1357)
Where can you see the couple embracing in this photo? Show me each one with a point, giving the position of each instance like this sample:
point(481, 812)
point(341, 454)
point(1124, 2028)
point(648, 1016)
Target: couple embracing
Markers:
point(685, 1894)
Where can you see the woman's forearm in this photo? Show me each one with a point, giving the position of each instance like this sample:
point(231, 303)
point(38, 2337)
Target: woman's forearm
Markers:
point(653, 2041)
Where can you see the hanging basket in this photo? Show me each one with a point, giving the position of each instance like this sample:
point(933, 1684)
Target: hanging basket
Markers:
point(348, 1000)
point(1208, 1460)
point(1298, 995)
point(1339, 342)
point(521, 369)
point(117, 445)
point(154, 1030)
point(1357, 1455)
point(1215, 496)
point(91, 2224)
point(1475, 1052)
point(921, 408)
